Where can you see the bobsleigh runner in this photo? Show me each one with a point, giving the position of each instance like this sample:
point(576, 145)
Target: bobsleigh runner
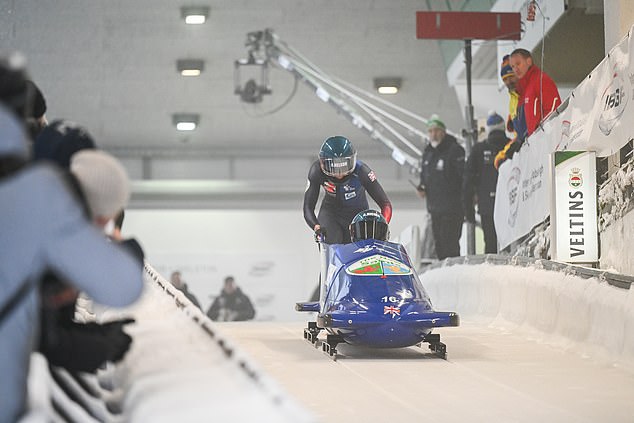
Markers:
point(371, 296)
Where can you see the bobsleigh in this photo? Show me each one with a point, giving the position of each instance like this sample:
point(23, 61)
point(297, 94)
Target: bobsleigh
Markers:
point(370, 295)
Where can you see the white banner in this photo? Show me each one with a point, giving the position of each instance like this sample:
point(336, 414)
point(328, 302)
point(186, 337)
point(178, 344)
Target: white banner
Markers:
point(600, 112)
point(521, 199)
point(574, 232)
point(597, 116)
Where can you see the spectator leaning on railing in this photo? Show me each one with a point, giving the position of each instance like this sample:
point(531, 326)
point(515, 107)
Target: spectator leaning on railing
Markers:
point(538, 93)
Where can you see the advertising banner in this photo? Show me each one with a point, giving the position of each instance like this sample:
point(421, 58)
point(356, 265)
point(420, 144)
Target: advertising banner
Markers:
point(574, 235)
point(600, 112)
point(522, 194)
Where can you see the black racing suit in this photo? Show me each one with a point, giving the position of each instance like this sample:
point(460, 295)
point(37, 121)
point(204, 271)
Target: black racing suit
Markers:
point(343, 199)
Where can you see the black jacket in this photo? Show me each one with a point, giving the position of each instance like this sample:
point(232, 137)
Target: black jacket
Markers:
point(481, 176)
point(79, 346)
point(441, 176)
point(231, 307)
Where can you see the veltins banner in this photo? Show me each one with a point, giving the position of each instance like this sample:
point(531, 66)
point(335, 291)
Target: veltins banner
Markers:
point(574, 234)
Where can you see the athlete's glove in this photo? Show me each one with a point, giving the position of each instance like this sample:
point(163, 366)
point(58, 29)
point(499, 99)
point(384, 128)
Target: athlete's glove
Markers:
point(320, 235)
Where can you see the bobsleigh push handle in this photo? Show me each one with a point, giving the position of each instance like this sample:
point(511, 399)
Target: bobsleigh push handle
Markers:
point(323, 274)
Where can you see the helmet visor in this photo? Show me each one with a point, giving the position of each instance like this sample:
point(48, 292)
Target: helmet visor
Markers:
point(338, 166)
point(369, 229)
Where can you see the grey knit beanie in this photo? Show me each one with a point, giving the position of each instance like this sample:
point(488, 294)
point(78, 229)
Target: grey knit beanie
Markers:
point(103, 180)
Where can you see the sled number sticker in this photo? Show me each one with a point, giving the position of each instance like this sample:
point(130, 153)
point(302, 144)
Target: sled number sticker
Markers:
point(378, 265)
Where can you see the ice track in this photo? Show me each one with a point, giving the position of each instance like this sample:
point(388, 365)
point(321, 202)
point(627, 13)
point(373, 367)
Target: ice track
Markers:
point(534, 345)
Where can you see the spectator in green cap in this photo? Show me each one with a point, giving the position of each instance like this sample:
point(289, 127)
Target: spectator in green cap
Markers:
point(441, 184)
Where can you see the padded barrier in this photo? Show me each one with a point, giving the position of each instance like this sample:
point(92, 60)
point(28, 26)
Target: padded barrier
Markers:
point(590, 310)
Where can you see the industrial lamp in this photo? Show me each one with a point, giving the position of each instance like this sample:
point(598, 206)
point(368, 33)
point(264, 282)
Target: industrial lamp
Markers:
point(387, 85)
point(190, 67)
point(195, 15)
point(185, 121)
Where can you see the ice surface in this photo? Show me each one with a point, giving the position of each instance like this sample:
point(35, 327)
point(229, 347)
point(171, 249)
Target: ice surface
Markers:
point(534, 345)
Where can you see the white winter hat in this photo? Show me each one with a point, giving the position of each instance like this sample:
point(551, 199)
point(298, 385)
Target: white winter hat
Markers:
point(12, 136)
point(103, 181)
point(495, 122)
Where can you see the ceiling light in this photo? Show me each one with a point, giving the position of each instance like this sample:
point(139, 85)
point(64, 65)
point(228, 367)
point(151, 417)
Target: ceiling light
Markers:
point(195, 15)
point(389, 85)
point(185, 121)
point(190, 67)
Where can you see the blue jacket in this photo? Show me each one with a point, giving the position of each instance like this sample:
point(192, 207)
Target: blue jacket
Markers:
point(43, 227)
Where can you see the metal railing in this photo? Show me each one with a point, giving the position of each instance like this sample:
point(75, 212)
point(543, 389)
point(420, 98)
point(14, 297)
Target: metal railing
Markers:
point(612, 278)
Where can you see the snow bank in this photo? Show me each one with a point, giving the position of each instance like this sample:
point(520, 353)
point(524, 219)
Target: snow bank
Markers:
point(588, 315)
point(181, 368)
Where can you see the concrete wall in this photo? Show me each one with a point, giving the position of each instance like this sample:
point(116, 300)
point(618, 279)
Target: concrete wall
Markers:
point(271, 253)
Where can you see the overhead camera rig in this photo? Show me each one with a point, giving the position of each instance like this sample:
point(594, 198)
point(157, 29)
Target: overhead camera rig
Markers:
point(361, 108)
point(253, 90)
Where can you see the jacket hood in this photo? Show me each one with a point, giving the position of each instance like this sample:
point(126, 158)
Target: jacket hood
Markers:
point(497, 138)
point(13, 141)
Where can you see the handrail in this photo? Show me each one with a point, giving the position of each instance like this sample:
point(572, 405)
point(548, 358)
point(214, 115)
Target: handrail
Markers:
point(615, 279)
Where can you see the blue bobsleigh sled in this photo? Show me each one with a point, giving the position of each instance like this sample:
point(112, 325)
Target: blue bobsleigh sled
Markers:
point(370, 295)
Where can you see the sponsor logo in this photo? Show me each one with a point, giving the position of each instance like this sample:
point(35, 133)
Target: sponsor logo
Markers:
point(349, 195)
point(372, 176)
point(487, 157)
point(330, 188)
point(575, 179)
point(378, 265)
point(576, 223)
point(565, 135)
point(513, 193)
point(394, 311)
point(614, 99)
point(348, 188)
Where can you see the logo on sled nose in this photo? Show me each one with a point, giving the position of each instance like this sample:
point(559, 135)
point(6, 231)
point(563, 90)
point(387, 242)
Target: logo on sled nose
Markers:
point(378, 265)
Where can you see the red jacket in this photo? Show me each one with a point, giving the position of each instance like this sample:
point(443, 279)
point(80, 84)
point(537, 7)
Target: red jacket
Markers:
point(528, 88)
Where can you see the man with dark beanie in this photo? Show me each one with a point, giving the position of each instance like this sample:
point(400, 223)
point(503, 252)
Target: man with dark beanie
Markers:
point(21, 95)
point(481, 177)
